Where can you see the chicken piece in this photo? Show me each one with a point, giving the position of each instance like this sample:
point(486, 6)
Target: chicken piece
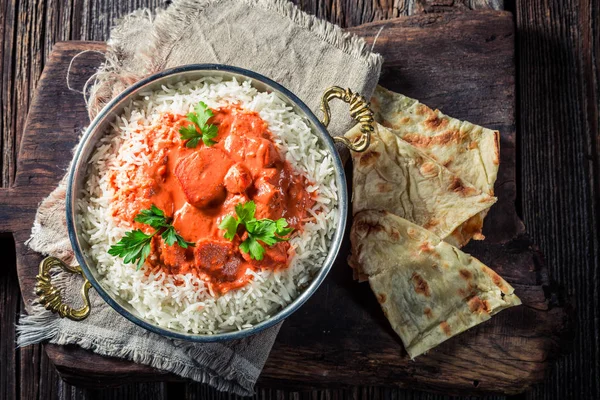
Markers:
point(268, 154)
point(201, 176)
point(175, 258)
point(269, 200)
point(218, 258)
point(172, 256)
point(271, 175)
point(257, 152)
point(241, 148)
point(237, 179)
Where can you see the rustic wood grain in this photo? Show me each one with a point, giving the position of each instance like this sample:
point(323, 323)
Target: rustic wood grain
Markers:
point(9, 309)
point(349, 13)
point(75, 20)
point(557, 41)
point(193, 392)
point(64, 20)
point(559, 138)
point(29, 30)
point(341, 333)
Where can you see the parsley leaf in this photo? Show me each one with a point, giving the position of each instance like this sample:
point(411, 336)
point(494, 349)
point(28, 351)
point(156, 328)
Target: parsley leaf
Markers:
point(208, 134)
point(192, 117)
point(136, 244)
point(190, 134)
point(266, 230)
point(230, 224)
point(182, 243)
point(250, 245)
point(263, 230)
point(170, 236)
point(245, 212)
point(203, 113)
point(199, 118)
point(282, 229)
point(154, 217)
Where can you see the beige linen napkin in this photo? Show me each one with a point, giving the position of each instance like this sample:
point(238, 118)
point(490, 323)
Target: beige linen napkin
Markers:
point(274, 38)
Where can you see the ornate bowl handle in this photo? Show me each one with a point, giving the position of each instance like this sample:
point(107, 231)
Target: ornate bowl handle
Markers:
point(50, 297)
point(359, 110)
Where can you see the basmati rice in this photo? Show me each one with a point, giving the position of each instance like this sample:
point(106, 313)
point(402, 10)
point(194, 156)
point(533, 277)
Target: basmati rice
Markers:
point(188, 306)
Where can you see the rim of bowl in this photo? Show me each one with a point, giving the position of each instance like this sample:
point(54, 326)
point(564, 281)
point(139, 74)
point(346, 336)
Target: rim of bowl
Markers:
point(283, 313)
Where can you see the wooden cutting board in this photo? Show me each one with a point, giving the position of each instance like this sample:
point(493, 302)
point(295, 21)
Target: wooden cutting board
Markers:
point(462, 64)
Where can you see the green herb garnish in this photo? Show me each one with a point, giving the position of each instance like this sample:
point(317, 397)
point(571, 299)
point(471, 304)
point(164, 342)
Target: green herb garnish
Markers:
point(199, 120)
point(135, 245)
point(266, 230)
point(155, 217)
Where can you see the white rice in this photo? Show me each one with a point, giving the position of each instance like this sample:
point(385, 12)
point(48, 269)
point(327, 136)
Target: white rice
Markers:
point(190, 307)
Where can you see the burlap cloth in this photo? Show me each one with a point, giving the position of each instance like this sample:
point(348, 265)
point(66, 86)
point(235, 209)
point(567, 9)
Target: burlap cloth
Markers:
point(274, 38)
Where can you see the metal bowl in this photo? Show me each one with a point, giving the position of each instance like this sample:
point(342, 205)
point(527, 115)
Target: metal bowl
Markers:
point(50, 296)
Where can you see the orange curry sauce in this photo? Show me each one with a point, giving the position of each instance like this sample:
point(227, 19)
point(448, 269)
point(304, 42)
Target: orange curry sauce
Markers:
point(198, 187)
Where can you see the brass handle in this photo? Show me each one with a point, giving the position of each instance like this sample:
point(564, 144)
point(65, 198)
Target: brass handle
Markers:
point(50, 297)
point(360, 110)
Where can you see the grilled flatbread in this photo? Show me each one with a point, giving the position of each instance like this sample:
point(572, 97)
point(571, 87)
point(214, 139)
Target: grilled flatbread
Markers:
point(467, 150)
point(396, 176)
point(428, 289)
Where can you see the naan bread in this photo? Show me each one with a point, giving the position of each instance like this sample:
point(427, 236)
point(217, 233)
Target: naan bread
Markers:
point(428, 289)
point(467, 150)
point(395, 176)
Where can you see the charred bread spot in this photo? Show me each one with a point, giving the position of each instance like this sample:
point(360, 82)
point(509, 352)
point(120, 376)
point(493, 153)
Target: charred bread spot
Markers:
point(446, 328)
point(498, 281)
point(420, 285)
point(465, 274)
point(457, 186)
point(428, 169)
point(431, 223)
point(476, 305)
point(369, 158)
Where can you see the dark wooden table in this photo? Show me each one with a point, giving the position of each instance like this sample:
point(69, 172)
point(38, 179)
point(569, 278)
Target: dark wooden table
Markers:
point(558, 45)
